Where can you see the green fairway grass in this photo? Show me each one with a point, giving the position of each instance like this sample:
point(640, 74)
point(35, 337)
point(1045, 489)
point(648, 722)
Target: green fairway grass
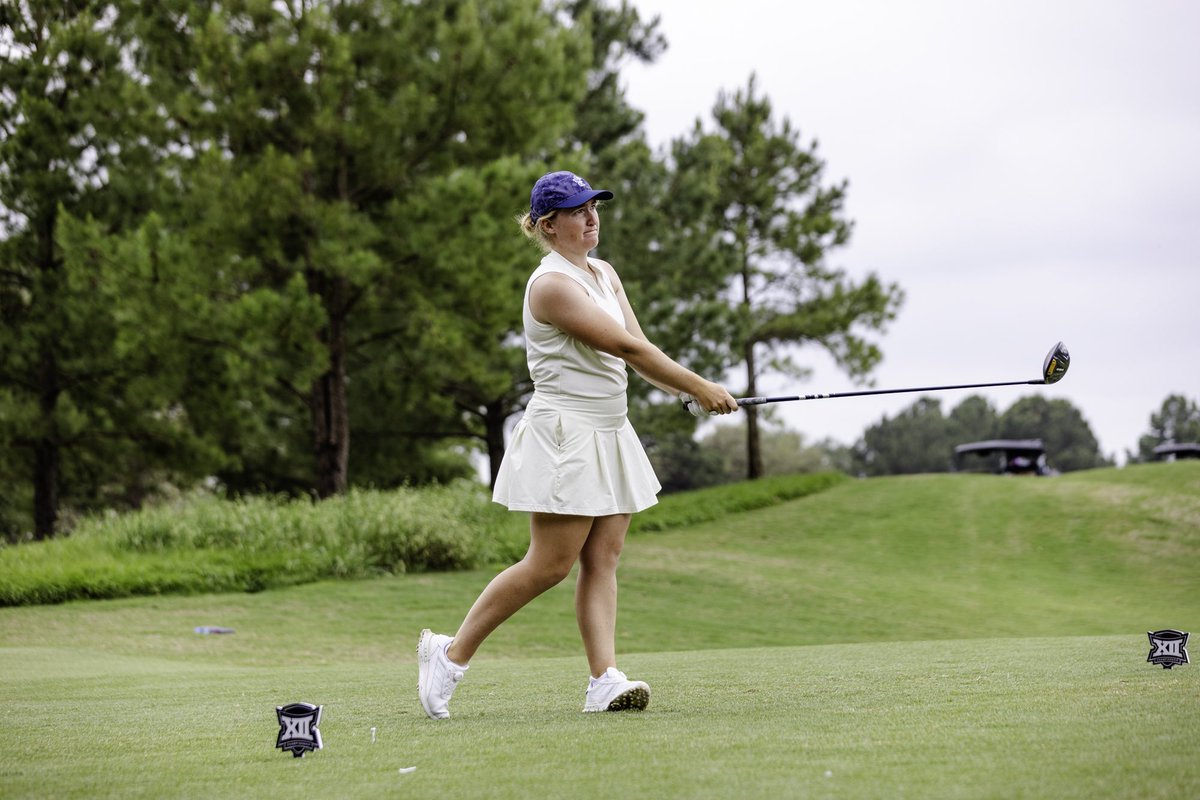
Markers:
point(1078, 717)
point(924, 636)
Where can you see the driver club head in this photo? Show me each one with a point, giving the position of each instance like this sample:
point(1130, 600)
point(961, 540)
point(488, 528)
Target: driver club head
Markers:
point(1056, 363)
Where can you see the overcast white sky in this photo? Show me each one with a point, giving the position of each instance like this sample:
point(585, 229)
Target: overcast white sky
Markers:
point(1028, 172)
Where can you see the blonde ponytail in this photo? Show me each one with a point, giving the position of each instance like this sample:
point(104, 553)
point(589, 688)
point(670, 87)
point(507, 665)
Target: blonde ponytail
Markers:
point(534, 230)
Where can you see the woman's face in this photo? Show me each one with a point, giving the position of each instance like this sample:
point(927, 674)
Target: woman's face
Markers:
point(576, 229)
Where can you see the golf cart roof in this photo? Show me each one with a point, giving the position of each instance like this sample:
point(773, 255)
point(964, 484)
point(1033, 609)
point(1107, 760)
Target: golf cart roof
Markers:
point(1178, 448)
point(1007, 445)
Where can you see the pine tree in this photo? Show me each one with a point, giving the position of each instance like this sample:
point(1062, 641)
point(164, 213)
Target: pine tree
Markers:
point(313, 124)
point(760, 208)
point(78, 142)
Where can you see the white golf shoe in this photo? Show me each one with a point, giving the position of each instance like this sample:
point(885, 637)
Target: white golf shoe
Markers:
point(437, 675)
point(612, 691)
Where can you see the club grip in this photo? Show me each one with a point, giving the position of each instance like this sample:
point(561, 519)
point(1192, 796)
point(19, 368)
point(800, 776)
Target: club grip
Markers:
point(695, 410)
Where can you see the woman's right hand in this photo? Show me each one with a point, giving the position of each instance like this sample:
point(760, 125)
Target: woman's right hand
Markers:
point(710, 398)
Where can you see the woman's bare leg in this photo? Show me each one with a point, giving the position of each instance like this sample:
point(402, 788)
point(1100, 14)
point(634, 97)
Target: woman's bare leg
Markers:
point(554, 544)
point(596, 591)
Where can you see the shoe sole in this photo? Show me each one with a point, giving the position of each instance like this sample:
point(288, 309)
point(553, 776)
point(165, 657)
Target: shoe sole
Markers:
point(424, 658)
point(635, 699)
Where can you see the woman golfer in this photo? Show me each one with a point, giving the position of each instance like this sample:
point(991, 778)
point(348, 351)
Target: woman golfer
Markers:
point(574, 460)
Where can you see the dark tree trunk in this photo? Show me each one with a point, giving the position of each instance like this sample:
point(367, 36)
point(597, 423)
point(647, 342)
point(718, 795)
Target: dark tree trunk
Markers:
point(45, 488)
point(754, 466)
point(493, 420)
point(330, 415)
point(46, 447)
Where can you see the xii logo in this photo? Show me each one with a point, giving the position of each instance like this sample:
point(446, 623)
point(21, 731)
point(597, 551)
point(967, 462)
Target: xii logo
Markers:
point(1168, 648)
point(298, 728)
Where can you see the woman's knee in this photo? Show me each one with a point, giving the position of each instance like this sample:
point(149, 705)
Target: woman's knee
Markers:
point(600, 557)
point(554, 545)
point(602, 551)
point(548, 571)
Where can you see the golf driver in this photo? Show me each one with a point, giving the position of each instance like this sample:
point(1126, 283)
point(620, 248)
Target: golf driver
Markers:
point(1053, 369)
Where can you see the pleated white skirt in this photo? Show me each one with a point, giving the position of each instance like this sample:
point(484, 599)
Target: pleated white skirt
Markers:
point(571, 455)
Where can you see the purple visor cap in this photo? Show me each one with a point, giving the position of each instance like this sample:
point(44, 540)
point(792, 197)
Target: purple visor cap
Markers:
point(562, 190)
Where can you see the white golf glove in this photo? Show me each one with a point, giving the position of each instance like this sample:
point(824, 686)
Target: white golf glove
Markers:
point(689, 402)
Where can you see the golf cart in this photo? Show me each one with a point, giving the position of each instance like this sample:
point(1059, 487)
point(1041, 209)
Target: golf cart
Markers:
point(1173, 451)
point(1003, 457)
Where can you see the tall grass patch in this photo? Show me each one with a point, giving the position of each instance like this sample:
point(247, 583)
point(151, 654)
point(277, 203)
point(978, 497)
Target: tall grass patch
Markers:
point(209, 544)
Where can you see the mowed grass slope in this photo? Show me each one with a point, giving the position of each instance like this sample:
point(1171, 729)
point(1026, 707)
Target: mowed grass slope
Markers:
point(935, 557)
point(930, 636)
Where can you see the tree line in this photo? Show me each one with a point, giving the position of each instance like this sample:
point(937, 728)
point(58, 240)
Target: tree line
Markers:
point(921, 438)
point(269, 244)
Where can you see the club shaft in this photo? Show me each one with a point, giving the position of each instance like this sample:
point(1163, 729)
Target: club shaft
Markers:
point(756, 401)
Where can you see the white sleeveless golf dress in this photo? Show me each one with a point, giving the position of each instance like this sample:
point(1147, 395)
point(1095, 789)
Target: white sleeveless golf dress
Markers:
point(574, 451)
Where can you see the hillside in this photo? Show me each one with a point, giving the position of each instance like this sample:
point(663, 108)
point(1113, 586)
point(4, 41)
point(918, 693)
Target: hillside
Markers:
point(927, 636)
point(904, 558)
